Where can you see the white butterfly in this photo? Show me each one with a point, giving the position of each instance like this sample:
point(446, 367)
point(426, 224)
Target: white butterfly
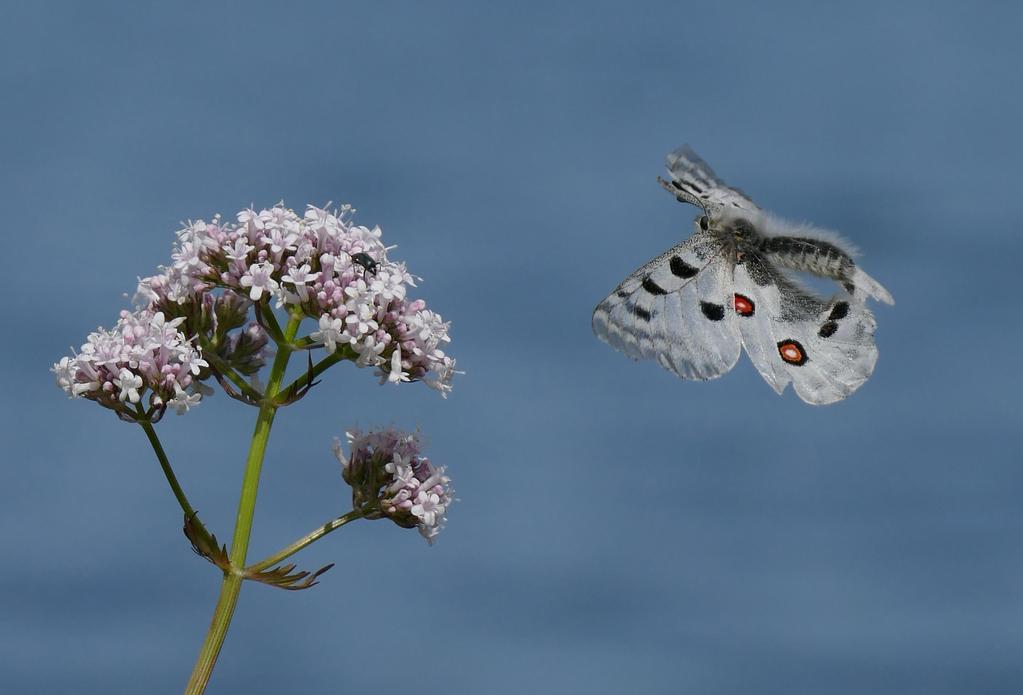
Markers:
point(729, 284)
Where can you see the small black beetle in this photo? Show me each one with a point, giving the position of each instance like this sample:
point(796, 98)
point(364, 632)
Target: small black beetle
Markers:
point(366, 261)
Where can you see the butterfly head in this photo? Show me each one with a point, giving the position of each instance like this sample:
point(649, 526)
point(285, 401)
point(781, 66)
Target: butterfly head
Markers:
point(725, 222)
point(708, 221)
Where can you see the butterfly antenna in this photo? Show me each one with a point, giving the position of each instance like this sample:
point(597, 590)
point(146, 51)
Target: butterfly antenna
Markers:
point(683, 196)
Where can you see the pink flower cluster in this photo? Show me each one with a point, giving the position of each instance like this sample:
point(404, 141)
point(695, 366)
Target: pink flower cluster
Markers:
point(333, 271)
point(390, 478)
point(143, 354)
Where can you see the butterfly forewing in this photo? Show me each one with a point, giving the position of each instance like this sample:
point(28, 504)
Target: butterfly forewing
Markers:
point(675, 310)
point(689, 173)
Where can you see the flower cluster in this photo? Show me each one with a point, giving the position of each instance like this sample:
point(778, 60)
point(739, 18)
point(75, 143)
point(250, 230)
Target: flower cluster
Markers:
point(390, 478)
point(324, 266)
point(144, 353)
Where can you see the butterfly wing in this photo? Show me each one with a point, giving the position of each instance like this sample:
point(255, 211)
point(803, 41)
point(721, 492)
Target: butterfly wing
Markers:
point(825, 349)
point(675, 310)
point(698, 183)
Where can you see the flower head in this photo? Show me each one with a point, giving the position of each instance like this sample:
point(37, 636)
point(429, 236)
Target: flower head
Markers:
point(391, 478)
point(336, 272)
point(144, 353)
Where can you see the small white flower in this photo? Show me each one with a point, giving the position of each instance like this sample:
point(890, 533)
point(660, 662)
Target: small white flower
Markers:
point(196, 363)
point(369, 350)
point(279, 241)
point(182, 400)
point(259, 279)
point(387, 286)
point(401, 471)
point(300, 277)
point(252, 220)
point(239, 250)
point(427, 507)
point(330, 332)
point(359, 321)
point(64, 373)
point(443, 371)
point(396, 375)
point(129, 384)
point(187, 256)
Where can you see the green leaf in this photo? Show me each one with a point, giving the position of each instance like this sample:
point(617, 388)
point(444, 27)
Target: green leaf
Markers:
point(284, 577)
point(204, 543)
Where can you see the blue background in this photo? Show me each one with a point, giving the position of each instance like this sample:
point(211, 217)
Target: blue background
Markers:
point(618, 529)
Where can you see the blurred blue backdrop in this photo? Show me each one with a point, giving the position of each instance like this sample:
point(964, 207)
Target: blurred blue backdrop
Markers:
point(618, 529)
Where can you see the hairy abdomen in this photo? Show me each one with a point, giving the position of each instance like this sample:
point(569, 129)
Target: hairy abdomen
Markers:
point(809, 255)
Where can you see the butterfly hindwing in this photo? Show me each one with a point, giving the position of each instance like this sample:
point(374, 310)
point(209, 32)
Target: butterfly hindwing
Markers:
point(675, 310)
point(826, 349)
point(753, 305)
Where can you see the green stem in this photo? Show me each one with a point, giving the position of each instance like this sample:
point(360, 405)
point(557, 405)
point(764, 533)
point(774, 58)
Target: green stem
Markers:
point(161, 455)
point(302, 542)
point(231, 586)
point(222, 615)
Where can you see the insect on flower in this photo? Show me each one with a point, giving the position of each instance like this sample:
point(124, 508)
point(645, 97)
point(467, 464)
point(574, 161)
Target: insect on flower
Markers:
point(366, 262)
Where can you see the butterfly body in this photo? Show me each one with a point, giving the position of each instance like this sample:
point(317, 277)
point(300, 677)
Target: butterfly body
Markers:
point(729, 286)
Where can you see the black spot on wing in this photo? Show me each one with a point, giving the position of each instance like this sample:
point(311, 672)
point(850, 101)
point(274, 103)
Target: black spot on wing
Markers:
point(715, 312)
point(681, 269)
point(828, 329)
point(652, 287)
point(642, 313)
point(839, 312)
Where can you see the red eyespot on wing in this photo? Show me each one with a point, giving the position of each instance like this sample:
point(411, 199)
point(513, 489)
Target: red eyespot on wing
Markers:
point(744, 305)
point(792, 352)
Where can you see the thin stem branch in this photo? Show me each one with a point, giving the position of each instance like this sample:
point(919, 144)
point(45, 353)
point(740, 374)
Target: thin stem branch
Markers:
point(339, 355)
point(225, 370)
point(231, 586)
point(306, 342)
point(302, 542)
point(266, 317)
point(161, 456)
